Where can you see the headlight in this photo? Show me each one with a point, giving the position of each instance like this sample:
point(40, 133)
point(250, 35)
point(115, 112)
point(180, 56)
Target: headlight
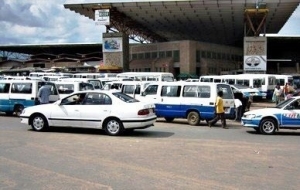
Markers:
point(250, 116)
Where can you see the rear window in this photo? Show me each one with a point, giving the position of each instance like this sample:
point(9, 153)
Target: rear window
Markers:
point(124, 97)
point(227, 91)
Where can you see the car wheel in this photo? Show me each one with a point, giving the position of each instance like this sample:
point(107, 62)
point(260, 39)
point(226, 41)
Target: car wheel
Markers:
point(268, 126)
point(18, 110)
point(193, 118)
point(39, 122)
point(113, 127)
point(169, 119)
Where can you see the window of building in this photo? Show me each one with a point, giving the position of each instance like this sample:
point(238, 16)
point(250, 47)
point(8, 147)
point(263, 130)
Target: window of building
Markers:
point(162, 54)
point(198, 56)
point(154, 55)
point(214, 55)
point(209, 55)
point(203, 54)
point(134, 56)
point(168, 53)
point(176, 56)
point(141, 56)
point(147, 55)
point(219, 56)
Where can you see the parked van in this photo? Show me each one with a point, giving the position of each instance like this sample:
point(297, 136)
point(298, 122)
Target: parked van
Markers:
point(134, 88)
point(193, 101)
point(67, 87)
point(97, 84)
point(15, 95)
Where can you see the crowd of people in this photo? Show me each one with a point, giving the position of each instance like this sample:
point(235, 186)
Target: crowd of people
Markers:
point(284, 93)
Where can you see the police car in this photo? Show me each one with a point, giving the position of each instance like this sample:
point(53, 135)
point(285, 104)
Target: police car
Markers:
point(285, 115)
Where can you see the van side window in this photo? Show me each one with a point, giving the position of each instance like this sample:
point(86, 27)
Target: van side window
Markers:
point(21, 88)
point(65, 88)
point(197, 91)
point(151, 90)
point(170, 91)
point(4, 87)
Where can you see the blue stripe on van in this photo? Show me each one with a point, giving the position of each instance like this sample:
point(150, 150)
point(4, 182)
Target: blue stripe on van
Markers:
point(181, 111)
point(8, 105)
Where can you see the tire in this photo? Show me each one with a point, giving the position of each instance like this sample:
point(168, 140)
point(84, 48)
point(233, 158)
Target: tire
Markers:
point(39, 122)
point(113, 127)
point(169, 119)
point(193, 118)
point(18, 110)
point(268, 126)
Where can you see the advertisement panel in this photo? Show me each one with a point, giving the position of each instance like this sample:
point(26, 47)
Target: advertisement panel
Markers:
point(255, 54)
point(102, 17)
point(112, 45)
point(255, 63)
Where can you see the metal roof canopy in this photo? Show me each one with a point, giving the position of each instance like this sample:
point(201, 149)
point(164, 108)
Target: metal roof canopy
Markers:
point(214, 21)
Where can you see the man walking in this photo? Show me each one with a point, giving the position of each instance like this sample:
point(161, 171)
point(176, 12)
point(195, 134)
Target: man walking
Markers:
point(220, 114)
point(44, 93)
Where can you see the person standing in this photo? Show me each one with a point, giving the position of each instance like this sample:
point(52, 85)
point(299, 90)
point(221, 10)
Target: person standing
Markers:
point(220, 114)
point(44, 93)
point(238, 109)
point(277, 94)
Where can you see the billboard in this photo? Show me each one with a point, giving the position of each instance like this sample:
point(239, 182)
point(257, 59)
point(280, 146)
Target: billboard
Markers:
point(255, 54)
point(102, 17)
point(112, 45)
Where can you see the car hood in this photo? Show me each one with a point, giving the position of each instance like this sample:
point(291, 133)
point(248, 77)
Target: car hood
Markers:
point(263, 111)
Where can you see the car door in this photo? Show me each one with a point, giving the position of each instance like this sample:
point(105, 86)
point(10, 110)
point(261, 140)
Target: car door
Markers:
point(67, 113)
point(95, 108)
point(290, 117)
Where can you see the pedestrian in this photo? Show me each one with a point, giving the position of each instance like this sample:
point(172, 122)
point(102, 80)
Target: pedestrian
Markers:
point(277, 94)
point(250, 101)
point(238, 109)
point(220, 114)
point(44, 93)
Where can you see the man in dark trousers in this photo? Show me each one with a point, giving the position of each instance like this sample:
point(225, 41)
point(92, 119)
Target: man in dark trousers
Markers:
point(220, 114)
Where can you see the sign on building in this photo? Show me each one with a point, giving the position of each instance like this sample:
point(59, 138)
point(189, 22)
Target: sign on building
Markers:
point(102, 17)
point(255, 54)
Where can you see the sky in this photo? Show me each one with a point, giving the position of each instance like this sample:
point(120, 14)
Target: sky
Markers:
point(48, 22)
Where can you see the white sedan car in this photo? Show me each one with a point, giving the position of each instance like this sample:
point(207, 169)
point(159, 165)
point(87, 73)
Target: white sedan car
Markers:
point(111, 111)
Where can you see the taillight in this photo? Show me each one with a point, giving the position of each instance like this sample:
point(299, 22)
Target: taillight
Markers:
point(143, 112)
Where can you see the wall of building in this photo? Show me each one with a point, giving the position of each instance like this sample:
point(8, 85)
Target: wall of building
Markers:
point(194, 57)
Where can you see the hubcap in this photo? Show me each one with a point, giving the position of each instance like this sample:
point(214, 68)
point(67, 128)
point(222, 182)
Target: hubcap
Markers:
point(268, 127)
point(38, 123)
point(113, 126)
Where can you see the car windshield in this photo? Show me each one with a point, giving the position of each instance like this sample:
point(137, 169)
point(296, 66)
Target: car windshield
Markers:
point(124, 97)
point(284, 103)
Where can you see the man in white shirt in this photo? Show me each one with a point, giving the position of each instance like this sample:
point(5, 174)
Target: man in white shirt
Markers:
point(238, 109)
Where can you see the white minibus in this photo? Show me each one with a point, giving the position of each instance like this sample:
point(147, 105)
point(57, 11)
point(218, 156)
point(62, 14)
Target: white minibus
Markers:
point(15, 95)
point(94, 81)
point(68, 87)
point(283, 79)
point(211, 78)
point(147, 76)
point(193, 101)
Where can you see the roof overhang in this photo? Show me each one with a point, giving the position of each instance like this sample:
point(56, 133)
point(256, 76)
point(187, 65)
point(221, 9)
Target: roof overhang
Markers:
point(214, 21)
